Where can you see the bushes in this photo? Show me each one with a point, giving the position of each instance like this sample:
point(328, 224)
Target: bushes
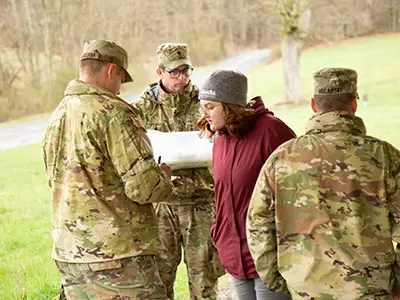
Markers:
point(275, 53)
point(206, 49)
point(25, 97)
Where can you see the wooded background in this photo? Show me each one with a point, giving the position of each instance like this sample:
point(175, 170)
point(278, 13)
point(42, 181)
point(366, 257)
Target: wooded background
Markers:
point(41, 39)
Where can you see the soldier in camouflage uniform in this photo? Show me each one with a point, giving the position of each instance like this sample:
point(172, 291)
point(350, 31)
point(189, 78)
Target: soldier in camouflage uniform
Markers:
point(172, 105)
point(326, 207)
point(104, 182)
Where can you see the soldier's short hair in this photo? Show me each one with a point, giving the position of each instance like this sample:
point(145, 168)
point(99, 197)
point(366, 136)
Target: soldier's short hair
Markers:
point(333, 102)
point(92, 66)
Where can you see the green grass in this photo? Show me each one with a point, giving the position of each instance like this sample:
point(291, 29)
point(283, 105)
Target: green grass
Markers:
point(25, 243)
point(376, 61)
point(26, 270)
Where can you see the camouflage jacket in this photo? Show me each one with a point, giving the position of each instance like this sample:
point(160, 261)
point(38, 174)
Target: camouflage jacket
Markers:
point(103, 178)
point(177, 112)
point(325, 211)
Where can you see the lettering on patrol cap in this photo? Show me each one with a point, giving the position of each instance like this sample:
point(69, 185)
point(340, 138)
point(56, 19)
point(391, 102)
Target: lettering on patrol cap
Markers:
point(173, 55)
point(108, 52)
point(335, 81)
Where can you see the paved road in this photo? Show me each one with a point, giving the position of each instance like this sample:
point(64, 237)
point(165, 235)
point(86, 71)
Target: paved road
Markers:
point(31, 132)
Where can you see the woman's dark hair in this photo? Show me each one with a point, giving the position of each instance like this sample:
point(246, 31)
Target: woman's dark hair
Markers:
point(238, 121)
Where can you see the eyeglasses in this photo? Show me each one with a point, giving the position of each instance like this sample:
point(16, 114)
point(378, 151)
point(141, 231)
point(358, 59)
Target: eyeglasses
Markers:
point(176, 72)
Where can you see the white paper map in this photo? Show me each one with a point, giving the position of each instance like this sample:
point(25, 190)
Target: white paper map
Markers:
point(181, 150)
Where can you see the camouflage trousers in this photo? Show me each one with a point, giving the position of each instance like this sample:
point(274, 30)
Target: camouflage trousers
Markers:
point(188, 227)
point(128, 278)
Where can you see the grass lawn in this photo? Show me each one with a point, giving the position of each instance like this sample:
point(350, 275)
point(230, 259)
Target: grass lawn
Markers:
point(376, 61)
point(26, 270)
point(25, 243)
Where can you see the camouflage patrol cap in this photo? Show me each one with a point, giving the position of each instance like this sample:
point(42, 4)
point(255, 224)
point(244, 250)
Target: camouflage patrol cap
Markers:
point(108, 52)
point(335, 81)
point(172, 55)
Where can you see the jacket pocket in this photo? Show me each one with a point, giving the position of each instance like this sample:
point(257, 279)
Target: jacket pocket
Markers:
point(107, 265)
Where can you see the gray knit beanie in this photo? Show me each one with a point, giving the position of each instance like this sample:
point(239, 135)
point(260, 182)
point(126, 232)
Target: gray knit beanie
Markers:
point(225, 86)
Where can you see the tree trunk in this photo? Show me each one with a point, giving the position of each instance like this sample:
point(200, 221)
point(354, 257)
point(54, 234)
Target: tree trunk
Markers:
point(290, 58)
point(48, 45)
point(31, 43)
point(20, 37)
point(395, 14)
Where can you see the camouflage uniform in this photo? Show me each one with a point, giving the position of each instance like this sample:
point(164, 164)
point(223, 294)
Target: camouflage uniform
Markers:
point(186, 220)
point(326, 208)
point(103, 180)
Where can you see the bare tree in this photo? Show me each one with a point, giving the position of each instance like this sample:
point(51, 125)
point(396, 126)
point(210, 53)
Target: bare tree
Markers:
point(295, 15)
point(213, 29)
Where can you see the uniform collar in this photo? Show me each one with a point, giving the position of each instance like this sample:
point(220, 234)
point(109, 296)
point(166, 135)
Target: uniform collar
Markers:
point(336, 121)
point(78, 87)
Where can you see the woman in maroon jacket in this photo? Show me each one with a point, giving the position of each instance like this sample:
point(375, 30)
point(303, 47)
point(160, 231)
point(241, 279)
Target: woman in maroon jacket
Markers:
point(245, 135)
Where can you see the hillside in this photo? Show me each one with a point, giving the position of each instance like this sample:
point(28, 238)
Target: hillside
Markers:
point(26, 270)
point(376, 61)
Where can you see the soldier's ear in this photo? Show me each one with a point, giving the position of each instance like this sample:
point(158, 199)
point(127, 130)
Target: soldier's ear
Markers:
point(313, 105)
point(159, 71)
point(354, 105)
point(111, 70)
